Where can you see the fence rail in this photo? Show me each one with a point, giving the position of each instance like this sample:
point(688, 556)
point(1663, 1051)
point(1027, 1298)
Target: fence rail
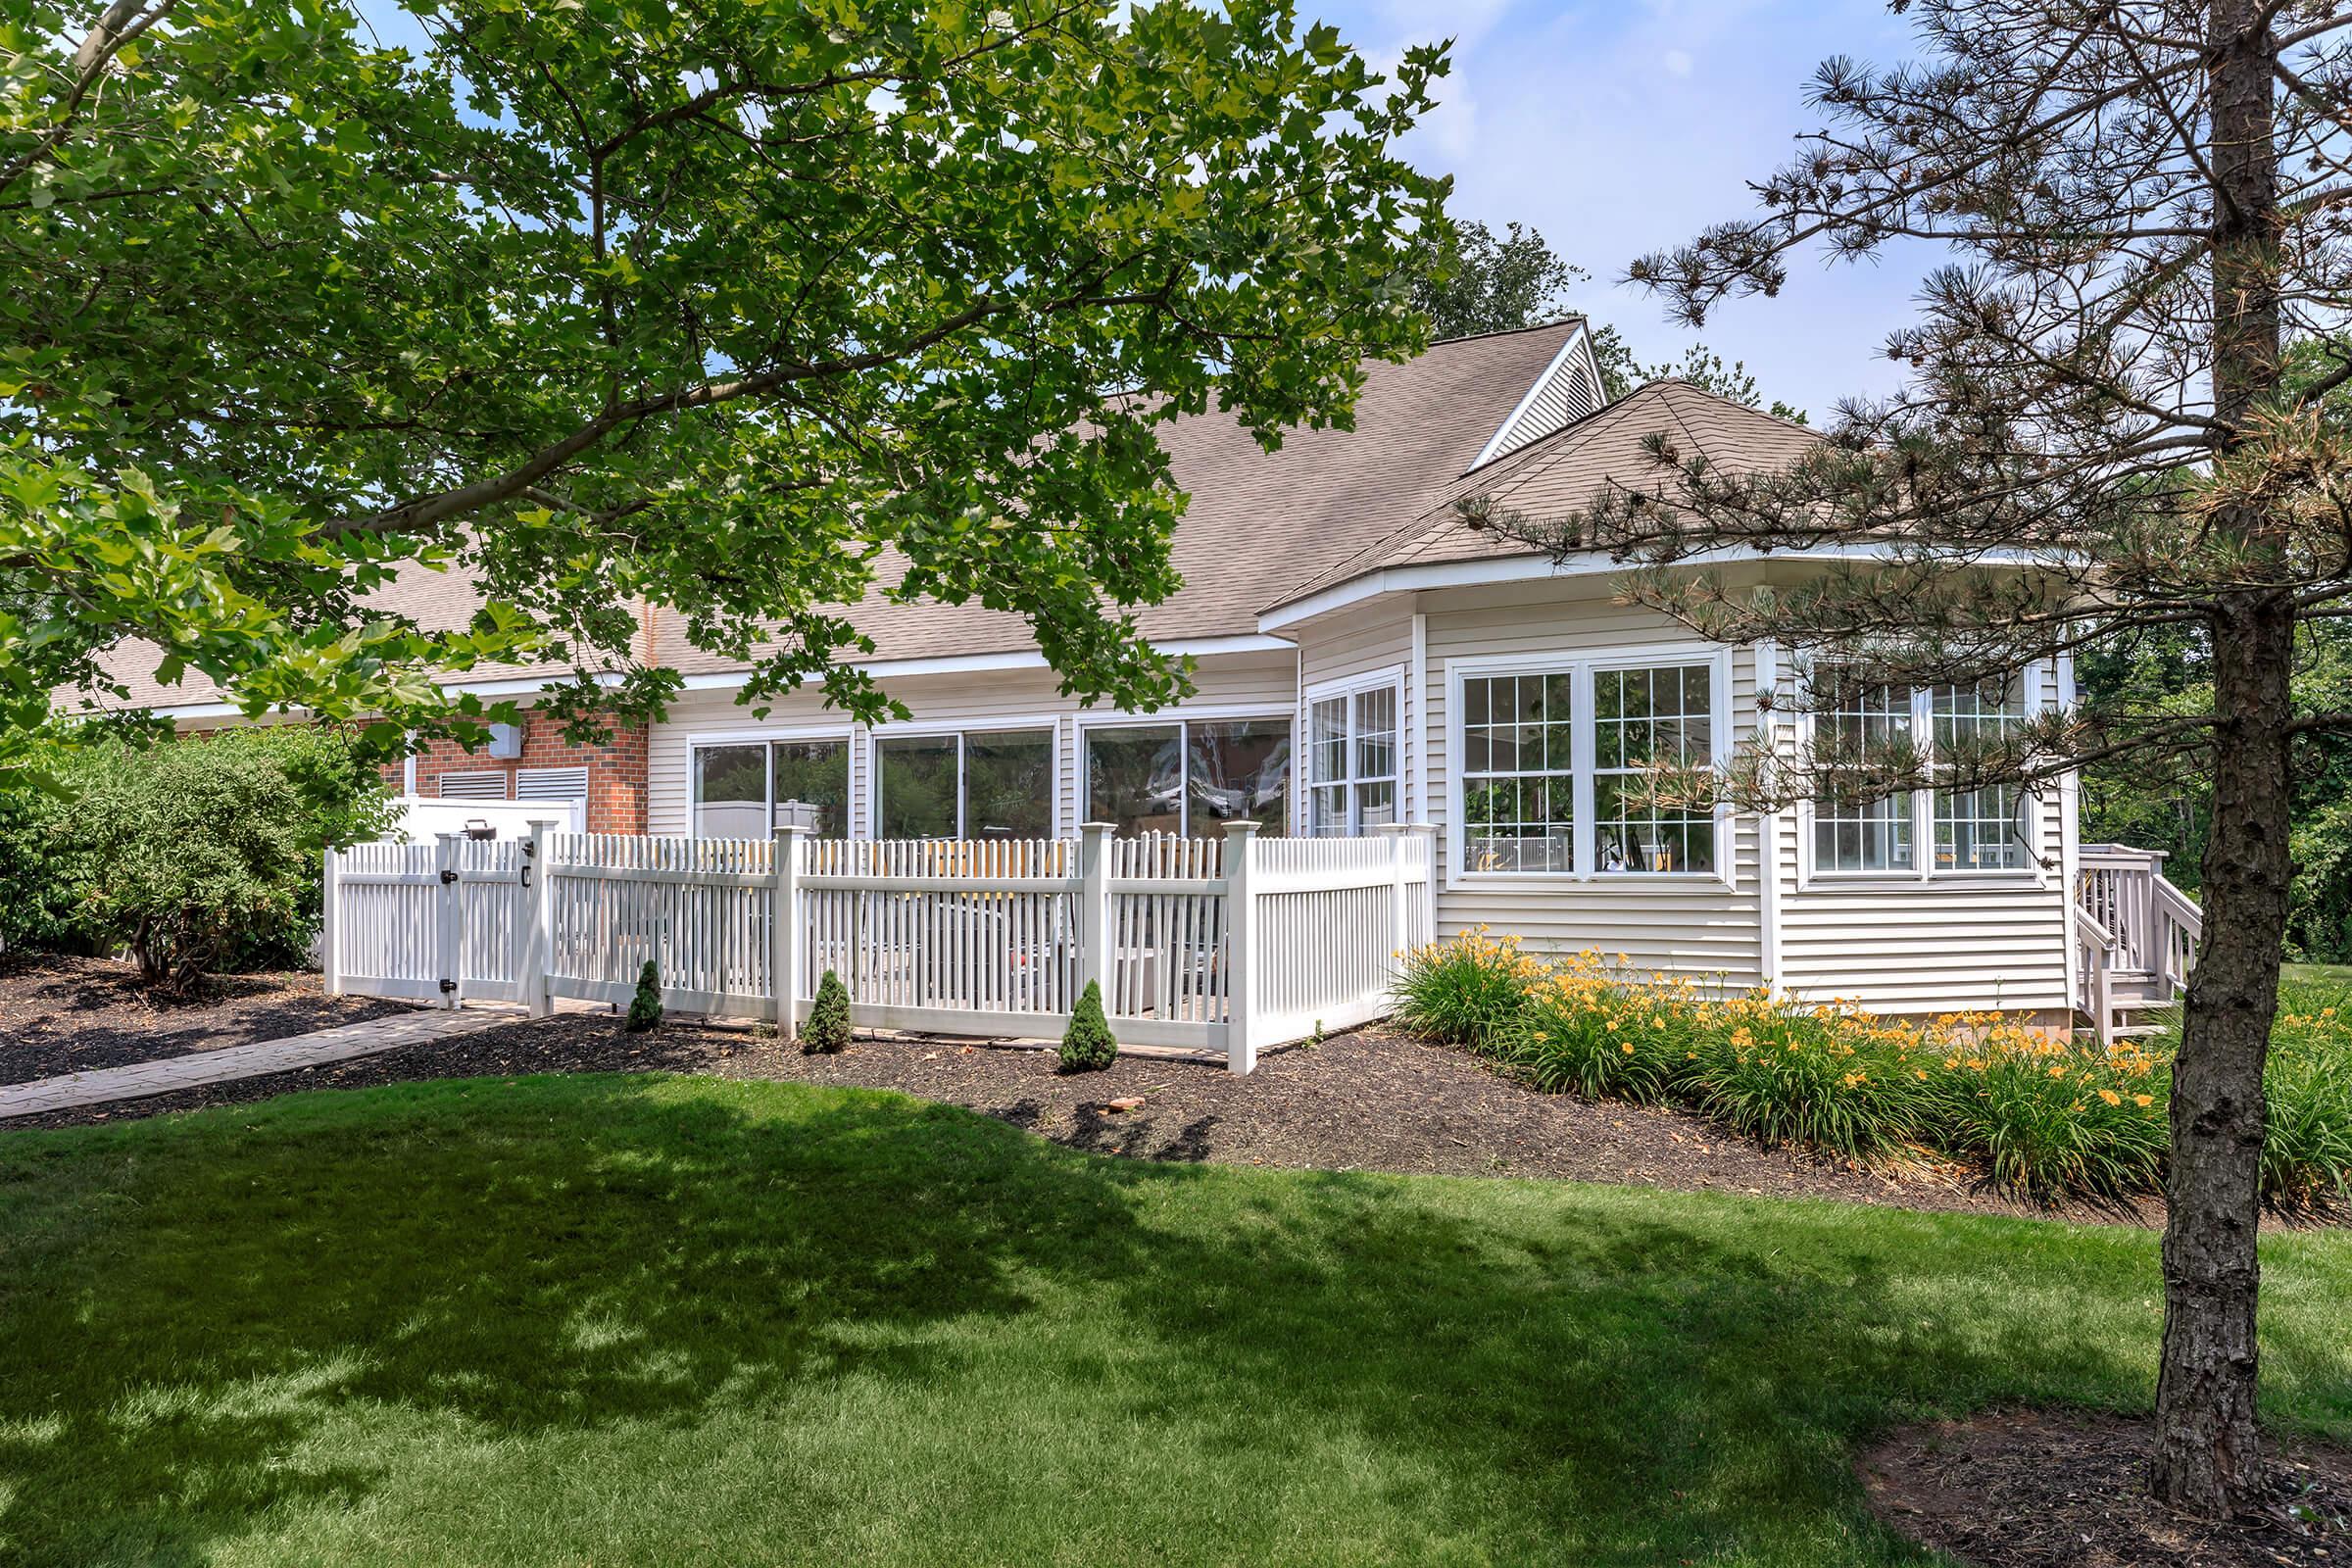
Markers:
point(1231, 945)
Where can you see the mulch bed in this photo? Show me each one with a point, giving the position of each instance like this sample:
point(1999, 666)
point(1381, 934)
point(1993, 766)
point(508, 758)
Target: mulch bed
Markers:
point(61, 1014)
point(2042, 1489)
point(1366, 1100)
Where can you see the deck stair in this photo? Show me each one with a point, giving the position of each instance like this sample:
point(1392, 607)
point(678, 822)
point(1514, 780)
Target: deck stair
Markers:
point(2136, 939)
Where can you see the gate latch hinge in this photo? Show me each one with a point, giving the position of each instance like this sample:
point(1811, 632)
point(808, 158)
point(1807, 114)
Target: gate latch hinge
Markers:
point(449, 876)
point(447, 986)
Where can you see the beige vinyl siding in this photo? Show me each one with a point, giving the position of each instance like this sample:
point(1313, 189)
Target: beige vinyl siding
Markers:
point(1259, 682)
point(1564, 396)
point(1698, 927)
point(1943, 944)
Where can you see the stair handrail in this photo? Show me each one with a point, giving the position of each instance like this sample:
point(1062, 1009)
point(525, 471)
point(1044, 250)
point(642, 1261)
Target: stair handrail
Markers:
point(2099, 945)
point(2156, 925)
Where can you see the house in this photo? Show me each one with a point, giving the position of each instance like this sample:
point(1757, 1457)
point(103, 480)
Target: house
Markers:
point(1366, 655)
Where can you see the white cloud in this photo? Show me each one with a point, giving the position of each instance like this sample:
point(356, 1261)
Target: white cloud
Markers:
point(1677, 63)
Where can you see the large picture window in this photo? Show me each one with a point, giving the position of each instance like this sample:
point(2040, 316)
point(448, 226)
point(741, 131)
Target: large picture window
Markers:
point(1556, 762)
point(1981, 829)
point(745, 790)
point(1190, 776)
point(1656, 718)
point(1984, 829)
point(980, 784)
point(1852, 833)
point(1519, 773)
point(1351, 759)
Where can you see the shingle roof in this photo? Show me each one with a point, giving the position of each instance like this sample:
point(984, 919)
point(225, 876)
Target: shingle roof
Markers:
point(1262, 521)
point(1258, 523)
point(1562, 472)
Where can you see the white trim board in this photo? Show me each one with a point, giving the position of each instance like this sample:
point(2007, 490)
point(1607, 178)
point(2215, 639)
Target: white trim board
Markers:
point(1480, 571)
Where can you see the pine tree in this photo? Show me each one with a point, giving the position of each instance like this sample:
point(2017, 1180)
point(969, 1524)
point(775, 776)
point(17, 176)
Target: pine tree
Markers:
point(1089, 1045)
point(828, 1027)
point(2097, 439)
point(645, 1008)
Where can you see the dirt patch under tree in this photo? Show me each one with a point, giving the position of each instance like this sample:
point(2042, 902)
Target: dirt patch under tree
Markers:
point(2044, 1489)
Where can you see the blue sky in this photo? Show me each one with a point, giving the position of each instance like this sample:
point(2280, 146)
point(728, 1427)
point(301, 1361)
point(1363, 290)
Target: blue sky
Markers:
point(1620, 125)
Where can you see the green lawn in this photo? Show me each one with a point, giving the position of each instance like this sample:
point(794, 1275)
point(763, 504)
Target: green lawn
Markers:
point(632, 1320)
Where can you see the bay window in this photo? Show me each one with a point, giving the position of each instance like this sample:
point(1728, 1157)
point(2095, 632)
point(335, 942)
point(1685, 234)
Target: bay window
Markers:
point(1977, 830)
point(1351, 759)
point(745, 790)
point(1188, 776)
point(976, 784)
point(1555, 764)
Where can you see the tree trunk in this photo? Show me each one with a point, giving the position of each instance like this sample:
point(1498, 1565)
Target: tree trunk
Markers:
point(2207, 1454)
point(2206, 1459)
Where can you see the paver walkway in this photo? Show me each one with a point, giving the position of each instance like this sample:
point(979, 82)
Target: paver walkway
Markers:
point(140, 1079)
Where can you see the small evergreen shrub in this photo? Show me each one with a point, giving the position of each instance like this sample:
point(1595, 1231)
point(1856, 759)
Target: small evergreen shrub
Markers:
point(1089, 1046)
point(829, 1028)
point(645, 1008)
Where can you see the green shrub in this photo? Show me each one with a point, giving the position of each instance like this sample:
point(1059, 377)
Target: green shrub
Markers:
point(2056, 1119)
point(1466, 991)
point(1089, 1046)
point(828, 1027)
point(197, 856)
point(203, 854)
point(1787, 1076)
point(645, 1008)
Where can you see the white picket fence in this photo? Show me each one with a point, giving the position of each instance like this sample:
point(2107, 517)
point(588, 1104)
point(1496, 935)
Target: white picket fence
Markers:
point(1227, 944)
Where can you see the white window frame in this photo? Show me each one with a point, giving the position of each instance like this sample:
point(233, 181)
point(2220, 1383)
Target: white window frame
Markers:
point(1579, 664)
point(930, 730)
point(1922, 807)
point(1182, 718)
point(701, 740)
point(1347, 689)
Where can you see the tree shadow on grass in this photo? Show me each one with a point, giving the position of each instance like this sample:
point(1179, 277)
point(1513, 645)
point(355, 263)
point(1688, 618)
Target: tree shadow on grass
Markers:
point(1604, 1372)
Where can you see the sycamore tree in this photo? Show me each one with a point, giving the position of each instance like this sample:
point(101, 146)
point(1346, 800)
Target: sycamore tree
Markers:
point(749, 310)
point(2096, 440)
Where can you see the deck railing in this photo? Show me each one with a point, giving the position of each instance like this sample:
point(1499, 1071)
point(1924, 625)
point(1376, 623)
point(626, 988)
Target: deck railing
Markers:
point(2136, 933)
point(1226, 945)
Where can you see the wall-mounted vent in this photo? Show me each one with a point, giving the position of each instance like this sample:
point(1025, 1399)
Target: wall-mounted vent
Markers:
point(474, 786)
point(550, 784)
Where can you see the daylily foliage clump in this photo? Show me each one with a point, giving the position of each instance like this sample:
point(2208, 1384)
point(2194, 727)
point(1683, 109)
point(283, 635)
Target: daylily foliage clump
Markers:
point(2037, 1113)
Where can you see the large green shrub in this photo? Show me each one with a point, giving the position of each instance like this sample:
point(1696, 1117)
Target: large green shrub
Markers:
point(203, 854)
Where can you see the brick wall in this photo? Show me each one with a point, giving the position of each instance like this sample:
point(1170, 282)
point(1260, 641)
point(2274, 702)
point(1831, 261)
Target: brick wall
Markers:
point(615, 769)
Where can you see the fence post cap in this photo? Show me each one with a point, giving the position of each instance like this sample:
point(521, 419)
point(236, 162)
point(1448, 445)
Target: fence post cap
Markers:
point(1098, 827)
point(1246, 826)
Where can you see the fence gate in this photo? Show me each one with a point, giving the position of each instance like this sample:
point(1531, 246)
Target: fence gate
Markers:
point(428, 923)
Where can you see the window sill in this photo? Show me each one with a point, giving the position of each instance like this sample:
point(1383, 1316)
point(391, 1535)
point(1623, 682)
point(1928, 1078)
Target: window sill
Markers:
point(1507, 880)
point(1944, 881)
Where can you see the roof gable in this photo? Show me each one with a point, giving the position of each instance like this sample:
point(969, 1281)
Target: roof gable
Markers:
point(1568, 390)
point(1560, 472)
